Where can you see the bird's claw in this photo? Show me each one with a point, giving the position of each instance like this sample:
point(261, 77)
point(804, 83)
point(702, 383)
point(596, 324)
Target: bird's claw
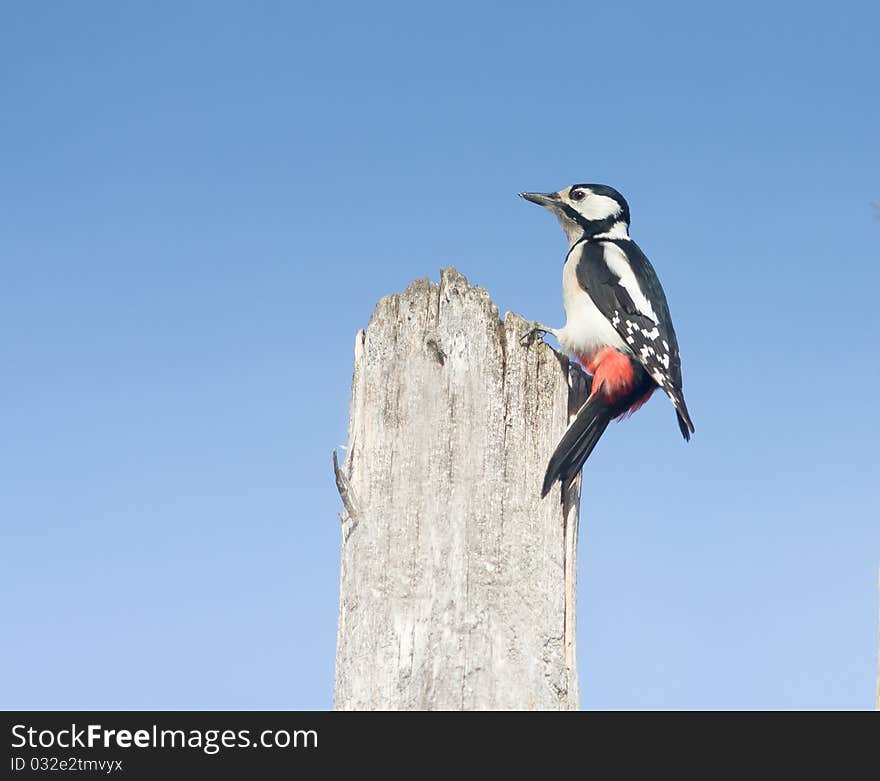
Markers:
point(534, 328)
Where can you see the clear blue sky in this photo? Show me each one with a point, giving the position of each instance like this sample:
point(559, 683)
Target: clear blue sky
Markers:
point(200, 204)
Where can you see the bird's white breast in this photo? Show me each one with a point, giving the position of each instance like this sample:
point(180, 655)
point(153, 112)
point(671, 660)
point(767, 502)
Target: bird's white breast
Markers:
point(586, 328)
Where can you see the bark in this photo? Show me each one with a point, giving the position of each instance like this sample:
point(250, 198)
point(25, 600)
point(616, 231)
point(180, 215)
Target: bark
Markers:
point(457, 583)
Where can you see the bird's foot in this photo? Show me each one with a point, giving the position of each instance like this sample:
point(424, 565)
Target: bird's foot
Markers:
point(535, 328)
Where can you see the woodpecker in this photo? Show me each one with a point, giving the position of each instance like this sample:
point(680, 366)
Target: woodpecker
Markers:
point(617, 321)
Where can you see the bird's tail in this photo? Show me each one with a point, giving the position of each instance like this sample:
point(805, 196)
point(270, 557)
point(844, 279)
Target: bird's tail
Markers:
point(578, 441)
point(685, 424)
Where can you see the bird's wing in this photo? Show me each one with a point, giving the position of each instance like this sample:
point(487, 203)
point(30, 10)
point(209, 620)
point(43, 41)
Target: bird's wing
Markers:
point(623, 285)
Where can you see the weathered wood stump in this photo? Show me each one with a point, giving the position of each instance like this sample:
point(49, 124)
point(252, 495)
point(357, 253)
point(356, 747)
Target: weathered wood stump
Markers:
point(458, 581)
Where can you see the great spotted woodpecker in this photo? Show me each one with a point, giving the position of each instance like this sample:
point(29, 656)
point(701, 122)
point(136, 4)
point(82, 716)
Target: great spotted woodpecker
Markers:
point(617, 321)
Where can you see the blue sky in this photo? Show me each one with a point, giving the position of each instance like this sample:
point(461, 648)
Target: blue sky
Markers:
point(200, 204)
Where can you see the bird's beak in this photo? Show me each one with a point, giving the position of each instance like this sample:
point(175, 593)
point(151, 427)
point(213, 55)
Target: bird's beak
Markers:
point(547, 200)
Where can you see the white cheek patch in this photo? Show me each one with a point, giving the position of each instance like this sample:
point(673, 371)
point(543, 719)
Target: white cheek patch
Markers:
point(597, 207)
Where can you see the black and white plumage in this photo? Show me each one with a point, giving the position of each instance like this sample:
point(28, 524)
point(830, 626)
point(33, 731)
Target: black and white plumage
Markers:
point(617, 320)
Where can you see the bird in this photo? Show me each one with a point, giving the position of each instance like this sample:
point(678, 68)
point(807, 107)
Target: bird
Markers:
point(617, 323)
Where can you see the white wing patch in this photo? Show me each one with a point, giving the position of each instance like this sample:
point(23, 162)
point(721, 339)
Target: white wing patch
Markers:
point(645, 342)
point(615, 259)
point(586, 328)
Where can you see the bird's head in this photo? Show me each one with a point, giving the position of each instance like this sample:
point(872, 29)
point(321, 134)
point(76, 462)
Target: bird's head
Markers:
point(586, 210)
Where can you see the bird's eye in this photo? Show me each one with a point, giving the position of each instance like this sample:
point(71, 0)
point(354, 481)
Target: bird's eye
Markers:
point(577, 195)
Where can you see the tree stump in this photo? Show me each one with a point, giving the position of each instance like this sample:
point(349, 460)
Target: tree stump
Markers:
point(458, 581)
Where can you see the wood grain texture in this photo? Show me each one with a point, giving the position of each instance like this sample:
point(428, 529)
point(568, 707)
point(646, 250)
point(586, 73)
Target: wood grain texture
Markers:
point(457, 581)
